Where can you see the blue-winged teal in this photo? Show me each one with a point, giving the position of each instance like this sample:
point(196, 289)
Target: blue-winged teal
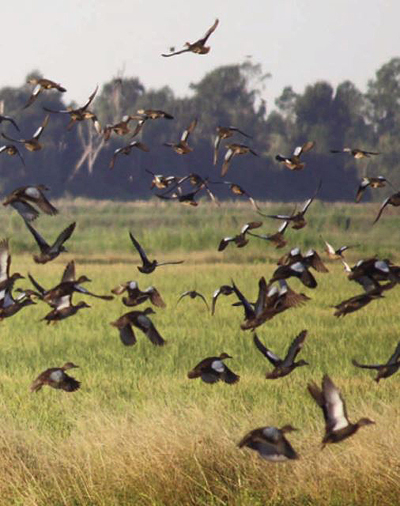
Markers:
point(56, 377)
point(337, 425)
point(147, 267)
point(225, 133)
point(384, 370)
point(140, 320)
point(287, 365)
point(41, 85)
point(32, 144)
point(270, 443)
point(213, 369)
point(198, 47)
point(137, 296)
point(50, 252)
point(293, 162)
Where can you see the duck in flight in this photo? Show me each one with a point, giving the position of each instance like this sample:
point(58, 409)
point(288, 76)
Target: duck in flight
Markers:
point(198, 47)
point(270, 443)
point(293, 162)
point(355, 152)
point(147, 266)
point(137, 296)
point(33, 143)
point(225, 133)
point(22, 198)
point(182, 147)
point(56, 377)
point(213, 369)
point(50, 252)
point(42, 84)
point(140, 320)
point(384, 370)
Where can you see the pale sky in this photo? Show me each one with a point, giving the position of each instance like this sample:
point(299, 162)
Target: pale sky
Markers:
point(81, 43)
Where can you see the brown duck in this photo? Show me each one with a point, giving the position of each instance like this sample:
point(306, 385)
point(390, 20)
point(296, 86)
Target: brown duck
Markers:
point(147, 267)
point(126, 150)
point(393, 200)
point(137, 296)
point(240, 240)
point(213, 369)
point(337, 424)
point(270, 443)
point(355, 152)
point(225, 133)
point(198, 47)
point(234, 150)
point(32, 144)
point(23, 197)
point(384, 370)
point(50, 252)
point(182, 147)
point(293, 162)
point(56, 377)
point(140, 320)
point(42, 84)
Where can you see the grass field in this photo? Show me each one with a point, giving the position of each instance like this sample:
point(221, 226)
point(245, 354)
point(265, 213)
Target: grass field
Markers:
point(138, 432)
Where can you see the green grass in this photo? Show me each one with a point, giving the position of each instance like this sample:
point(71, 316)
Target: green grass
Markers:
point(138, 431)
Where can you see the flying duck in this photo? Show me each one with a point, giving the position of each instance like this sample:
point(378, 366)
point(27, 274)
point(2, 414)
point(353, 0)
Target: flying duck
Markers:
point(233, 150)
point(147, 267)
point(393, 200)
point(50, 252)
point(277, 239)
point(213, 369)
point(41, 85)
point(270, 443)
point(126, 150)
point(240, 240)
point(56, 377)
point(192, 294)
point(32, 144)
point(337, 424)
point(140, 320)
point(293, 162)
point(225, 133)
point(137, 296)
point(355, 152)
point(198, 47)
point(384, 370)
point(182, 147)
point(22, 198)
point(372, 182)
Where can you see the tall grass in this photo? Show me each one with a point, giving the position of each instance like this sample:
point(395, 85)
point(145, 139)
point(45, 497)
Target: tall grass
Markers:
point(138, 432)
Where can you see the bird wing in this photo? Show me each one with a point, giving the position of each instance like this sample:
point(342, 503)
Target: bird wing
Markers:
point(39, 131)
point(189, 130)
point(11, 120)
point(38, 287)
point(394, 358)
point(35, 93)
point(336, 416)
point(363, 366)
point(27, 211)
point(127, 335)
point(262, 296)
point(248, 310)
point(139, 145)
point(13, 140)
point(64, 236)
point(69, 272)
point(227, 158)
point(89, 99)
point(43, 246)
point(146, 325)
point(274, 359)
point(295, 348)
point(309, 201)
point(184, 294)
point(5, 260)
point(176, 52)
point(384, 204)
point(203, 40)
point(217, 142)
point(139, 249)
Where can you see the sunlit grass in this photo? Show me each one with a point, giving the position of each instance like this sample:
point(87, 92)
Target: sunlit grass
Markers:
point(138, 431)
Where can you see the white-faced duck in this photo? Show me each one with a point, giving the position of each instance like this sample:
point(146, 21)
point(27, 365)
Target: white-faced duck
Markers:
point(192, 294)
point(50, 252)
point(283, 367)
point(355, 152)
point(225, 133)
point(293, 162)
point(384, 370)
point(126, 150)
point(147, 267)
point(79, 114)
point(22, 198)
point(213, 369)
point(393, 200)
point(33, 143)
point(42, 84)
point(337, 425)
point(56, 377)
point(137, 296)
point(270, 443)
point(198, 47)
point(234, 150)
point(140, 320)
point(372, 182)
point(240, 239)
point(182, 147)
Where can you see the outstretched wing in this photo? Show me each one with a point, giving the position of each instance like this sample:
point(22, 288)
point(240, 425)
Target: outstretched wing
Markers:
point(64, 236)
point(38, 238)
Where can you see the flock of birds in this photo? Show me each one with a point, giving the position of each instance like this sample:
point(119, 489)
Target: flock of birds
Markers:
point(274, 297)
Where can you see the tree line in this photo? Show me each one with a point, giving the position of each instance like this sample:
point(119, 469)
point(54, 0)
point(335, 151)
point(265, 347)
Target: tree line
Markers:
point(76, 162)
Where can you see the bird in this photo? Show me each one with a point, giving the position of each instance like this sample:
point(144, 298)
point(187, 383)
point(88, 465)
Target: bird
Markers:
point(12, 150)
point(239, 190)
point(337, 424)
point(310, 260)
point(64, 310)
point(293, 162)
point(277, 239)
point(121, 128)
point(161, 182)
point(140, 320)
point(384, 370)
point(50, 252)
point(298, 270)
point(297, 219)
point(137, 296)
point(147, 267)
point(33, 143)
point(225, 133)
point(222, 290)
point(287, 365)
point(198, 47)
point(182, 147)
point(42, 84)
point(11, 120)
point(373, 182)
point(270, 443)
point(80, 113)
point(213, 369)
point(393, 200)
point(233, 150)
point(192, 294)
point(240, 239)
point(22, 198)
point(126, 150)
point(9, 305)
point(154, 114)
point(56, 377)
point(355, 152)
point(335, 254)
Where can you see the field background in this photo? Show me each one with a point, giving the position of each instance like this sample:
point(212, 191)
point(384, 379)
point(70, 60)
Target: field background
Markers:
point(138, 432)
